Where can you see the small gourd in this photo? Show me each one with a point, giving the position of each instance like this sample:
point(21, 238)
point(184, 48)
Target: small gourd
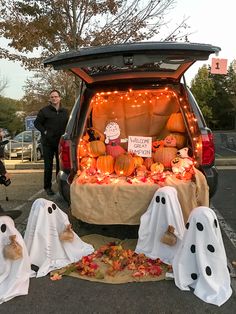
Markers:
point(169, 237)
point(13, 250)
point(67, 235)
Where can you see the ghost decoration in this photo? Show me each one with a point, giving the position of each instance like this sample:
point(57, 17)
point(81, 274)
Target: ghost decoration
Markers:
point(45, 239)
point(14, 261)
point(163, 214)
point(112, 133)
point(201, 262)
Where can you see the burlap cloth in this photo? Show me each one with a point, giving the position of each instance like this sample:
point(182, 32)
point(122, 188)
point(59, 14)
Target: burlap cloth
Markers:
point(123, 276)
point(125, 203)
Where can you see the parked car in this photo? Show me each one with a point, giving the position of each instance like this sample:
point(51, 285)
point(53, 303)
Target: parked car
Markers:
point(21, 146)
point(151, 71)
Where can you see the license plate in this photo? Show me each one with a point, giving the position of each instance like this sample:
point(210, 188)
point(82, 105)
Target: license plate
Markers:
point(13, 154)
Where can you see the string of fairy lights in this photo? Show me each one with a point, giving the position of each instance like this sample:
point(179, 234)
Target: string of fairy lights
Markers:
point(139, 100)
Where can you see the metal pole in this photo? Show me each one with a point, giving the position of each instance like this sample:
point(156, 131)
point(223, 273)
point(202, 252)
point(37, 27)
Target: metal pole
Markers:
point(34, 146)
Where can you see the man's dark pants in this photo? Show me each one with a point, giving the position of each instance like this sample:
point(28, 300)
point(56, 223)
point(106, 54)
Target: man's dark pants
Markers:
point(48, 154)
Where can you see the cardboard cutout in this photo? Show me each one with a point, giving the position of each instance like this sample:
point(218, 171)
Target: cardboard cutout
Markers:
point(201, 261)
point(163, 211)
point(14, 273)
point(42, 237)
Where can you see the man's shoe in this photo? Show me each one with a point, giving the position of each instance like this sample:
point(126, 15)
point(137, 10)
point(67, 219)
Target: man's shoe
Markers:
point(11, 213)
point(50, 192)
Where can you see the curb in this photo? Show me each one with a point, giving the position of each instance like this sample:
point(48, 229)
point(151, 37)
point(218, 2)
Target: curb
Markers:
point(225, 162)
point(23, 165)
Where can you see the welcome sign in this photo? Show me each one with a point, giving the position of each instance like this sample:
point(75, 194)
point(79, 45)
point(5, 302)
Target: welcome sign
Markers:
point(140, 145)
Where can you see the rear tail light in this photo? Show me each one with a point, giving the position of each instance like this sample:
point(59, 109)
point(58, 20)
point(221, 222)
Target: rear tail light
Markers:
point(64, 154)
point(208, 149)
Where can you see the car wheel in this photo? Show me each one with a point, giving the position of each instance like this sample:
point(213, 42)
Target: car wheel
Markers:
point(38, 154)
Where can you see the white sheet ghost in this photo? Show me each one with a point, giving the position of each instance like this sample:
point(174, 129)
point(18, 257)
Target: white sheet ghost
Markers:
point(46, 222)
point(164, 210)
point(14, 274)
point(201, 262)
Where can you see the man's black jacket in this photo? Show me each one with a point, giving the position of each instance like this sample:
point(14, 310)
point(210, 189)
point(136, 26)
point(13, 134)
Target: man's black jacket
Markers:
point(51, 123)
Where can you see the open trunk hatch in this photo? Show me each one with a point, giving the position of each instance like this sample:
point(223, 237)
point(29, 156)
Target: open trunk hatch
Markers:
point(143, 60)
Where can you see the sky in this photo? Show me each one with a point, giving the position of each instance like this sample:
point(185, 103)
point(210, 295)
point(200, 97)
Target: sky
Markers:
point(211, 22)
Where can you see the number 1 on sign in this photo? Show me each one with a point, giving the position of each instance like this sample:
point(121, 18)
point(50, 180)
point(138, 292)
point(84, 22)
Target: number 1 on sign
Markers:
point(219, 66)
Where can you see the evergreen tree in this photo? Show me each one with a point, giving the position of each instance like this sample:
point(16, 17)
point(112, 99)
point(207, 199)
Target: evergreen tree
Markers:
point(215, 94)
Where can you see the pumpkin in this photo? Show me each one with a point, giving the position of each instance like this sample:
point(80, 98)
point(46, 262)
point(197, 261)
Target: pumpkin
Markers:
point(82, 149)
point(141, 171)
point(175, 123)
point(170, 141)
point(148, 162)
point(124, 165)
point(96, 148)
point(157, 167)
point(164, 155)
point(138, 161)
point(88, 162)
point(180, 139)
point(105, 164)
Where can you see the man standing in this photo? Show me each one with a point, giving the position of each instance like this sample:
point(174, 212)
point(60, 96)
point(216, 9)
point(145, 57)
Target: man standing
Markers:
point(51, 122)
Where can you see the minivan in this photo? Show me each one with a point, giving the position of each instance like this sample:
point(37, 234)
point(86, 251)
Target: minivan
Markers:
point(138, 89)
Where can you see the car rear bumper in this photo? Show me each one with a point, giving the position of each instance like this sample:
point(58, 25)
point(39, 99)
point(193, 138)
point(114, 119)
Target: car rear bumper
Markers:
point(211, 175)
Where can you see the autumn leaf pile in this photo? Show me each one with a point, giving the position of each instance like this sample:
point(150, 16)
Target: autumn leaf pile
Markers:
point(116, 259)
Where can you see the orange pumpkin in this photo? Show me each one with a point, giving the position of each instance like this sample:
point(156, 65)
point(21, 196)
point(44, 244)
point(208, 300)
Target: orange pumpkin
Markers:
point(96, 148)
point(124, 165)
point(157, 167)
point(141, 171)
point(175, 123)
point(88, 162)
point(138, 161)
point(164, 155)
point(180, 139)
point(82, 149)
point(105, 164)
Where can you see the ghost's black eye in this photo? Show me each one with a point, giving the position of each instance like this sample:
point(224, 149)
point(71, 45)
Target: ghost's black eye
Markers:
point(50, 210)
point(158, 199)
point(54, 206)
point(163, 200)
point(3, 227)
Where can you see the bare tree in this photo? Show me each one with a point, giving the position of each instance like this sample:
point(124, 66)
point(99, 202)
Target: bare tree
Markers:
point(3, 84)
point(47, 27)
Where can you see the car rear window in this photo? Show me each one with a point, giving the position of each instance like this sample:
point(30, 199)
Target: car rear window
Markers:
point(159, 66)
